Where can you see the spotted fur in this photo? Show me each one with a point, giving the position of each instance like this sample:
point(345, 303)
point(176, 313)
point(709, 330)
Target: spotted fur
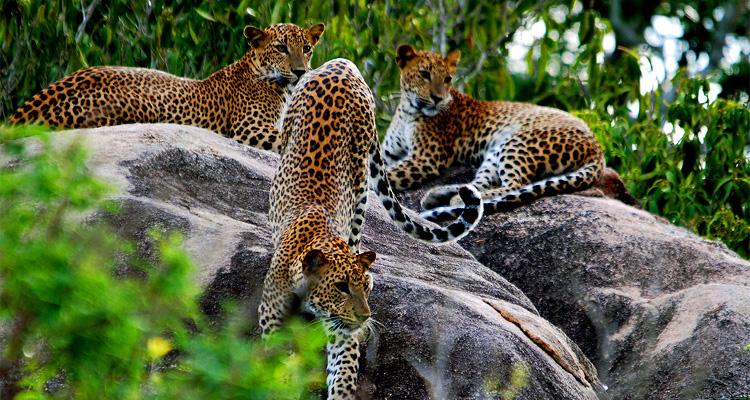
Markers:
point(522, 151)
point(242, 101)
point(318, 201)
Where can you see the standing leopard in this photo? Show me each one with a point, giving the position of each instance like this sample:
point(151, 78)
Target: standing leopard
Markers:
point(522, 151)
point(318, 200)
point(243, 101)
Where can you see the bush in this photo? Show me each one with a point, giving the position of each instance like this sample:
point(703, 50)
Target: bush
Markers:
point(699, 178)
point(74, 330)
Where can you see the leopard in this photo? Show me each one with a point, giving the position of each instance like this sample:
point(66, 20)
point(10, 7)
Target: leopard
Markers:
point(521, 151)
point(243, 101)
point(318, 199)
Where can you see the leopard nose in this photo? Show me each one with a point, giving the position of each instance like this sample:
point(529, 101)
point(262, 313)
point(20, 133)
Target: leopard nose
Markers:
point(436, 99)
point(299, 72)
point(362, 317)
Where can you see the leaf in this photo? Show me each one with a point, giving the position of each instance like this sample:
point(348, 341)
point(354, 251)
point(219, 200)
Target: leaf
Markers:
point(587, 28)
point(205, 15)
point(671, 176)
point(723, 182)
point(193, 35)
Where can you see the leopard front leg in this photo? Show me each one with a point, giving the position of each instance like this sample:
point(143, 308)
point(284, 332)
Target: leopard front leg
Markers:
point(262, 134)
point(342, 367)
point(275, 306)
point(499, 170)
point(395, 145)
point(414, 170)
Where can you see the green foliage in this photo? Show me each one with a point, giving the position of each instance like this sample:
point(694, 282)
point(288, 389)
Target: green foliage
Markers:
point(697, 179)
point(518, 380)
point(70, 320)
point(43, 41)
point(225, 366)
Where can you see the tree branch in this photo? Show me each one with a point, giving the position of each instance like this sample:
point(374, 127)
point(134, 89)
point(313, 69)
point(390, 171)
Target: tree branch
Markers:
point(86, 17)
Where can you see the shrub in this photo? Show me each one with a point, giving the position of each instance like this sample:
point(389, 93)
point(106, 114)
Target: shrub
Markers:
point(74, 330)
point(698, 174)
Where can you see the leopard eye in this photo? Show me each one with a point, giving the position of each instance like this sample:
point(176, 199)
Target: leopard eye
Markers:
point(448, 79)
point(282, 48)
point(342, 287)
point(425, 74)
point(307, 48)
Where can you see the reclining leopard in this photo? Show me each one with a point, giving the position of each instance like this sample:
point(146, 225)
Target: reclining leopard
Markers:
point(242, 101)
point(318, 201)
point(522, 151)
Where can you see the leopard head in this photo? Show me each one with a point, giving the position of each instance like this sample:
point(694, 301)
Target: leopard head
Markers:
point(282, 52)
point(426, 79)
point(335, 288)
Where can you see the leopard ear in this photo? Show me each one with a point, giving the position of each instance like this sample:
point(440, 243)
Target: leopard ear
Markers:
point(404, 54)
point(452, 59)
point(366, 259)
point(256, 37)
point(313, 260)
point(316, 31)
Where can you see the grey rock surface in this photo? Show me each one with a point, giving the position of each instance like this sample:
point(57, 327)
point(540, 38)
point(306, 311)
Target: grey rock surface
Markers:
point(452, 328)
point(661, 312)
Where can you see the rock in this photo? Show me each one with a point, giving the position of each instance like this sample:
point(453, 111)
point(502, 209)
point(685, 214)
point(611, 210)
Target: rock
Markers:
point(452, 328)
point(662, 313)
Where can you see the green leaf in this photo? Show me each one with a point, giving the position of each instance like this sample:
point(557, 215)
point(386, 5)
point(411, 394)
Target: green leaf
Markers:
point(193, 35)
point(587, 28)
point(205, 15)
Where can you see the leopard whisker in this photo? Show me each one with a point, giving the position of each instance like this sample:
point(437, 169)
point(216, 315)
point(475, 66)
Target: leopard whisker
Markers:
point(374, 321)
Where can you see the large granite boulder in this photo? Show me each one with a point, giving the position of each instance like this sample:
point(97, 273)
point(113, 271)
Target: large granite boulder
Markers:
point(451, 328)
point(661, 312)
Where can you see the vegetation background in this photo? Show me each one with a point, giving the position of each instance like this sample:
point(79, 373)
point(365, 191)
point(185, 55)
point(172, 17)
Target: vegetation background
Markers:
point(82, 316)
point(645, 75)
point(664, 85)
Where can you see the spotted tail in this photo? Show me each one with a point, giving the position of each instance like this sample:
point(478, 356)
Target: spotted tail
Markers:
point(499, 200)
point(466, 218)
